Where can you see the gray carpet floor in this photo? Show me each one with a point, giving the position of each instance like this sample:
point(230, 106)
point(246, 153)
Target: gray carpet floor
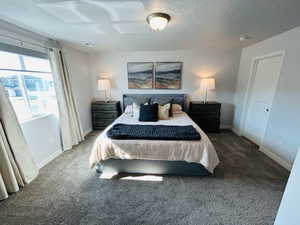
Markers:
point(245, 190)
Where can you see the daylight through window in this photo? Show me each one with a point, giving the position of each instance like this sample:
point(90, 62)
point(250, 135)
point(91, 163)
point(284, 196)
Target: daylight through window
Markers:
point(29, 84)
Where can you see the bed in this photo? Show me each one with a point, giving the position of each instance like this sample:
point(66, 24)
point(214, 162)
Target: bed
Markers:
point(195, 158)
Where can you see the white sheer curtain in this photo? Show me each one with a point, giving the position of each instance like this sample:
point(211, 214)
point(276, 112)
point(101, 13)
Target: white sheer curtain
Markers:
point(71, 129)
point(17, 167)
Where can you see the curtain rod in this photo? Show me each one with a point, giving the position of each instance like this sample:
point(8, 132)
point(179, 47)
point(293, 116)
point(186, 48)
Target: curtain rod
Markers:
point(27, 42)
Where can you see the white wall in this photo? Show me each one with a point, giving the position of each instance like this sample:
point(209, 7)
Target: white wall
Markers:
point(43, 138)
point(79, 68)
point(288, 213)
point(196, 64)
point(282, 135)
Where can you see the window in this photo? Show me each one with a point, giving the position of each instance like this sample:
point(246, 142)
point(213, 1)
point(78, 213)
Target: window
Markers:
point(29, 84)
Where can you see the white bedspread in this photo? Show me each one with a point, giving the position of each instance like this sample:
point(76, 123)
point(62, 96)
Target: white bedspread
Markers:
point(202, 151)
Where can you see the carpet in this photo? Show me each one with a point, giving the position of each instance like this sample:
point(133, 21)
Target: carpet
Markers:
point(246, 190)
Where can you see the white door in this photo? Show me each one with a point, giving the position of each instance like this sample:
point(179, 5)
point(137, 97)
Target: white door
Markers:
point(266, 73)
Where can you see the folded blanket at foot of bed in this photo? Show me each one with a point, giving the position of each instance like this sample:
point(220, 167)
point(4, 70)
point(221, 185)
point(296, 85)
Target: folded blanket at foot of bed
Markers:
point(153, 132)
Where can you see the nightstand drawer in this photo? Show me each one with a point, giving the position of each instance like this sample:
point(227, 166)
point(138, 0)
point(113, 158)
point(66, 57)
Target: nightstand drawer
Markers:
point(105, 115)
point(99, 127)
point(206, 115)
point(104, 107)
point(203, 108)
point(102, 123)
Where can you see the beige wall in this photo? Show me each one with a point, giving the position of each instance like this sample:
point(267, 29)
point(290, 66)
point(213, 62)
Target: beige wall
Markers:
point(282, 135)
point(79, 68)
point(196, 64)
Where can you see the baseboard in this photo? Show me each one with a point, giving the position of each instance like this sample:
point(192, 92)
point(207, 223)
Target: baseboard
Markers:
point(85, 133)
point(286, 164)
point(225, 127)
point(236, 131)
point(49, 159)
point(276, 158)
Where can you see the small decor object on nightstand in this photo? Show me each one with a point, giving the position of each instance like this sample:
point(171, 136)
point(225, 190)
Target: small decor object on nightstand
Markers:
point(206, 115)
point(104, 113)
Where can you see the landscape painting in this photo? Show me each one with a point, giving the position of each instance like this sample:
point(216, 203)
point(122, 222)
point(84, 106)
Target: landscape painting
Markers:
point(140, 75)
point(168, 75)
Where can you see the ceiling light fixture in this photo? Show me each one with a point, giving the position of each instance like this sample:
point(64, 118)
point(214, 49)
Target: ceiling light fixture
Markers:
point(158, 21)
point(244, 38)
point(88, 44)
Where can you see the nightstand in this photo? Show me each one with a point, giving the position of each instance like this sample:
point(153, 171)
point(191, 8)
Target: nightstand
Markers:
point(206, 115)
point(104, 113)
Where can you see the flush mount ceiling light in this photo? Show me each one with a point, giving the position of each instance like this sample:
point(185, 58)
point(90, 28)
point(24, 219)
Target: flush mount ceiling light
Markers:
point(88, 44)
point(158, 21)
point(244, 38)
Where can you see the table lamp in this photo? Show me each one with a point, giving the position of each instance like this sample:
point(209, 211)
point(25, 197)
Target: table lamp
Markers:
point(104, 85)
point(209, 84)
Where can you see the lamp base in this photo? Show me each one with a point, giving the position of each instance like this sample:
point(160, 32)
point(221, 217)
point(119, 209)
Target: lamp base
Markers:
point(106, 100)
point(205, 101)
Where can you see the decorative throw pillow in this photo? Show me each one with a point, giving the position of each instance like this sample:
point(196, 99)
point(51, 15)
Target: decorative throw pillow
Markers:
point(176, 108)
point(129, 110)
point(148, 113)
point(163, 111)
point(162, 101)
point(136, 110)
point(136, 106)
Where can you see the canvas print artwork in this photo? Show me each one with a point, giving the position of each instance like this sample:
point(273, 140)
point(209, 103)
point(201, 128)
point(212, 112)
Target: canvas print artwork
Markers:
point(140, 75)
point(168, 75)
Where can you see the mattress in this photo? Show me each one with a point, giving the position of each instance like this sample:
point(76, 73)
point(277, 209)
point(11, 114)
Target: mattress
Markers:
point(200, 151)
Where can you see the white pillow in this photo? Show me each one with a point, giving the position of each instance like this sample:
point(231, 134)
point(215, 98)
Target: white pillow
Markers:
point(129, 110)
point(136, 110)
point(176, 108)
point(163, 111)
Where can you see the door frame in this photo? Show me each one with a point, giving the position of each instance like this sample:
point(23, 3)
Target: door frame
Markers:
point(253, 70)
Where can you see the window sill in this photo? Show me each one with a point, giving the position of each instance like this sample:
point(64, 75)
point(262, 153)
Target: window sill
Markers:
point(36, 118)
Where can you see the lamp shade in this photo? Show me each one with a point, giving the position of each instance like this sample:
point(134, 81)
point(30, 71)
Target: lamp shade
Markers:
point(104, 84)
point(209, 83)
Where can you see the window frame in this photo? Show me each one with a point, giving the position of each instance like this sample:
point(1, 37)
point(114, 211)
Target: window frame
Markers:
point(21, 82)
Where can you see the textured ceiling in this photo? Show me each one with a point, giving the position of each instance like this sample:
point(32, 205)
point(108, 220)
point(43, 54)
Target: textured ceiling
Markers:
point(120, 25)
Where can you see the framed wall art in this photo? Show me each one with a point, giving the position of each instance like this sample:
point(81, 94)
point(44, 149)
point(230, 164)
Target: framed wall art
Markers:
point(140, 75)
point(168, 75)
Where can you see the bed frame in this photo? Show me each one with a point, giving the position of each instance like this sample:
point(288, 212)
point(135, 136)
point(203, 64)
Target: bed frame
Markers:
point(180, 99)
point(158, 167)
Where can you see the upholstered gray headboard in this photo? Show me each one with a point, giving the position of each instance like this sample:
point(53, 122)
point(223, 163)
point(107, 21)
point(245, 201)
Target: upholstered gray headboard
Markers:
point(180, 99)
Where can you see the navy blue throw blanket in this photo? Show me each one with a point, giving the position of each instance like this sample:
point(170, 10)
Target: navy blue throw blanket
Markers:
point(153, 132)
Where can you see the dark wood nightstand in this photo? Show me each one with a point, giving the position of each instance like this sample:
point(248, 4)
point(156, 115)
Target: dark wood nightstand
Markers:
point(206, 115)
point(104, 113)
